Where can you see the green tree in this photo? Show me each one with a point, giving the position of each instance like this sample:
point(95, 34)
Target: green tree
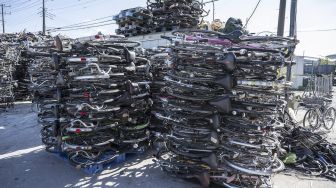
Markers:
point(324, 61)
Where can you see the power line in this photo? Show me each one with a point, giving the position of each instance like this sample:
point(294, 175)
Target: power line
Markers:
point(75, 5)
point(84, 27)
point(19, 4)
point(317, 30)
point(81, 23)
point(255, 8)
point(32, 5)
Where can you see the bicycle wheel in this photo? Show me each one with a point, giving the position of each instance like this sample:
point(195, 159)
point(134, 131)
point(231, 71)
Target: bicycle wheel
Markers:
point(329, 118)
point(311, 119)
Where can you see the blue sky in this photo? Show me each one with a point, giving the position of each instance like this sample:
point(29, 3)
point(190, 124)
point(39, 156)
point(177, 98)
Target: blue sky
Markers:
point(312, 15)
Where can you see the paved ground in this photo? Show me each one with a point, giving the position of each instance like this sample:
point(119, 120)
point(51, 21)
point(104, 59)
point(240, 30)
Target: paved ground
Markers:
point(24, 163)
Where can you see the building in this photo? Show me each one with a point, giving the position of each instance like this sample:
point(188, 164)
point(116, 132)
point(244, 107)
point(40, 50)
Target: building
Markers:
point(305, 67)
point(332, 58)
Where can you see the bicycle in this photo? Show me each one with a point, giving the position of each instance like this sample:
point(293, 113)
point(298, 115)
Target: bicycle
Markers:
point(320, 115)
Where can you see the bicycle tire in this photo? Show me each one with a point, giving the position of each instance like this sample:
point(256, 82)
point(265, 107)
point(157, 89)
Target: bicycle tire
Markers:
point(308, 115)
point(329, 110)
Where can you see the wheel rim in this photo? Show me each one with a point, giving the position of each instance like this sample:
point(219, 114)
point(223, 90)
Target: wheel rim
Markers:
point(329, 118)
point(311, 119)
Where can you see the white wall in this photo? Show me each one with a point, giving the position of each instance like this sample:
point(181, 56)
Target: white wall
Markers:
point(297, 70)
point(151, 40)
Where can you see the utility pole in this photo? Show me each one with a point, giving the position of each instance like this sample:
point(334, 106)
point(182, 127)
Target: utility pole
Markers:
point(3, 6)
point(213, 10)
point(3, 18)
point(43, 18)
point(281, 18)
point(292, 25)
point(45, 14)
point(292, 33)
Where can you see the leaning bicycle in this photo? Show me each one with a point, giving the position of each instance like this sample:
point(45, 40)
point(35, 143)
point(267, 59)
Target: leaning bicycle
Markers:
point(320, 115)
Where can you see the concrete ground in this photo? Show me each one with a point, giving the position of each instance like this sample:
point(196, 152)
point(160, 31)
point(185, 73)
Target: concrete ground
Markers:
point(24, 163)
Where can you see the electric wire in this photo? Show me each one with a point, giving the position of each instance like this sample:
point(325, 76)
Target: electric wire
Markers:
point(255, 8)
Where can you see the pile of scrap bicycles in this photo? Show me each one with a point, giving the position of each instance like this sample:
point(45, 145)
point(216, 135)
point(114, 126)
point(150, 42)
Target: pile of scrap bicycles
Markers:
point(6, 80)
point(222, 105)
point(13, 68)
point(212, 105)
point(134, 21)
point(13, 72)
point(160, 15)
point(92, 96)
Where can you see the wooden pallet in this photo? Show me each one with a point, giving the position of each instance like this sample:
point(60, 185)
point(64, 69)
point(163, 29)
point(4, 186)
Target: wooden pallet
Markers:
point(98, 168)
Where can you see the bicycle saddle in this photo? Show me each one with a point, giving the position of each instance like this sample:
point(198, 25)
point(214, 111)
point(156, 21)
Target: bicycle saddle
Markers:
point(60, 80)
point(58, 43)
point(214, 137)
point(226, 82)
point(222, 104)
point(229, 61)
point(129, 55)
point(215, 121)
point(211, 160)
point(56, 60)
point(204, 179)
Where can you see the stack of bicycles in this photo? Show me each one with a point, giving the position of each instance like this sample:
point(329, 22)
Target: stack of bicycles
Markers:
point(16, 53)
point(6, 74)
point(93, 100)
point(160, 63)
point(174, 14)
point(21, 76)
point(134, 21)
point(46, 90)
point(224, 100)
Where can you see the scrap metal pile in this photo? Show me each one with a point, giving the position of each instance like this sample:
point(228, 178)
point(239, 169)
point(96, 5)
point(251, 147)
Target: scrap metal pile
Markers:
point(160, 15)
point(22, 63)
point(43, 72)
point(223, 105)
point(217, 112)
point(309, 153)
point(175, 14)
point(6, 80)
point(160, 63)
point(93, 98)
point(212, 104)
point(9, 56)
point(134, 21)
point(14, 67)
